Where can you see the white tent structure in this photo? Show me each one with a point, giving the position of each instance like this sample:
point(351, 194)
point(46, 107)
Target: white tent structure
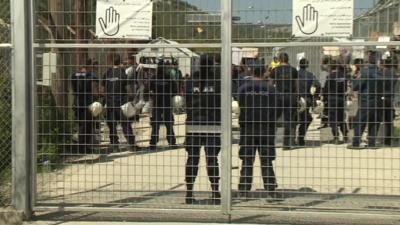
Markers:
point(188, 60)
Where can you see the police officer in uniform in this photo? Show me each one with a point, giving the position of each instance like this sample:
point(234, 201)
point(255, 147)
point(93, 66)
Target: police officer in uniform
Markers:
point(162, 89)
point(85, 89)
point(116, 84)
point(389, 87)
point(257, 101)
point(325, 70)
point(306, 81)
point(335, 91)
point(367, 86)
point(285, 79)
point(203, 126)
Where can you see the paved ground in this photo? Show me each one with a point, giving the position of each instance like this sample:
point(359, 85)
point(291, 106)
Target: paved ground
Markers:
point(117, 223)
point(257, 217)
point(322, 176)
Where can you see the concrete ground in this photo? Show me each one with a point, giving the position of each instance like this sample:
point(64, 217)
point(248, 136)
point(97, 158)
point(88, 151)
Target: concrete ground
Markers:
point(321, 176)
point(121, 223)
point(116, 223)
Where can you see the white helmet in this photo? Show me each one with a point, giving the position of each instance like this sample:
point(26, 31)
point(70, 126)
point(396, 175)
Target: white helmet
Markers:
point(96, 108)
point(139, 105)
point(302, 105)
point(313, 90)
point(128, 109)
point(235, 107)
point(351, 108)
point(319, 108)
point(147, 107)
point(178, 103)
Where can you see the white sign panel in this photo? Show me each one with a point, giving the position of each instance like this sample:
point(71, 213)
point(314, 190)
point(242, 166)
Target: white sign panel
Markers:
point(128, 19)
point(237, 55)
point(383, 39)
point(323, 18)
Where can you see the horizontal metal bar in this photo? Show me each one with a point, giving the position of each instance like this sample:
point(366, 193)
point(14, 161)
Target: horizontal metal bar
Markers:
point(127, 45)
point(215, 45)
point(315, 44)
point(120, 210)
point(6, 45)
point(322, 211)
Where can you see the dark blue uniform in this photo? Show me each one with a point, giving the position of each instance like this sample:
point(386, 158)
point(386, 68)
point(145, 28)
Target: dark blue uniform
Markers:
point(257, 100)
point(163, 88)
point(203, 125)
point(367, 87)
point(115, 83)
point(306, 81)
point(335, 91)
point(387, 113)
point(286, 81)
point(81, 84)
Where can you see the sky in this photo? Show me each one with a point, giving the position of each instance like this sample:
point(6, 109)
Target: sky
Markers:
point(276, 11)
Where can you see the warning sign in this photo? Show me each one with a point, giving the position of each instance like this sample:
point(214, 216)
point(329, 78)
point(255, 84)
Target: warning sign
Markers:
point(323, 18)
point(128, 19)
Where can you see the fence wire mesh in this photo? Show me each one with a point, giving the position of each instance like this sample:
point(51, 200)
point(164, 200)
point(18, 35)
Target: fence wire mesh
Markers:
point(5, 105)
point(5, 126)
point(315, 154)
point(154, 157)
point(72, 21)
point(125, 155)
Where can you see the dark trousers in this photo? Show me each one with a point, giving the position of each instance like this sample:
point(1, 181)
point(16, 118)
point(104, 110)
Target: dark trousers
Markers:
point(86, 127)
point(366, 117)
point(115, 117)
point(336, 118)
point(212, 147)
point(287, 109)
point(387, 116)
point(264, 144)
point(162, 115)
point(304, 120)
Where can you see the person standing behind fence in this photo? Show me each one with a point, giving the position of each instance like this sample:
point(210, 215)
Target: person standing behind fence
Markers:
point(116, 83)
point(85, 89)
point(285, 79)
point(257, 120)
point(203, 126)
point(389, 87)
point(325, 67)
point(335, 91)
point(135, 89)
point(307, 80)
point(367, 87)
point(162, 89)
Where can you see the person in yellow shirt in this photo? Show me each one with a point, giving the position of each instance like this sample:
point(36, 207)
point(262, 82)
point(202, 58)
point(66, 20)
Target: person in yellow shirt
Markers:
point(275, 63)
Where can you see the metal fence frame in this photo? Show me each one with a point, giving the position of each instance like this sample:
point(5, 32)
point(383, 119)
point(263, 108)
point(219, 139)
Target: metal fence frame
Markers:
point(24, 126)
point(21, 107)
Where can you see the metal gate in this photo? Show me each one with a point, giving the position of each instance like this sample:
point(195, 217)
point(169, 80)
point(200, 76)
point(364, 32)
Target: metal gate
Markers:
point(69, 172)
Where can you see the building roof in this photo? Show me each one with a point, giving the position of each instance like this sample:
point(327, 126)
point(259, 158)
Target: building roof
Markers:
point(380, 6)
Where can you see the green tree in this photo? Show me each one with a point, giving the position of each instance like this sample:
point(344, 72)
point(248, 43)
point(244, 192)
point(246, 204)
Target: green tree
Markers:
point(5, 11)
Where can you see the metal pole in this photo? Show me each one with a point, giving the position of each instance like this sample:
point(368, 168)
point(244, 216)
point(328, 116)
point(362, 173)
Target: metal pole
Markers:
point(226, 111)
point(33, 103)
point(21, 71)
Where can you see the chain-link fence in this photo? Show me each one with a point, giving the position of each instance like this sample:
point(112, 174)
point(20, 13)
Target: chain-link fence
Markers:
point(5, 127)
point(5, 105)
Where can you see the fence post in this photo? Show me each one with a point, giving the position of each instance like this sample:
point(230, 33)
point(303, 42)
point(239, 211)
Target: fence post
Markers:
point(226, 111)
point(21, 74)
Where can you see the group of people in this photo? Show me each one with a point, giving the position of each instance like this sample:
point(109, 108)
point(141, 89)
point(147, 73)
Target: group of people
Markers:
point(123, 82)
point(264, 95)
